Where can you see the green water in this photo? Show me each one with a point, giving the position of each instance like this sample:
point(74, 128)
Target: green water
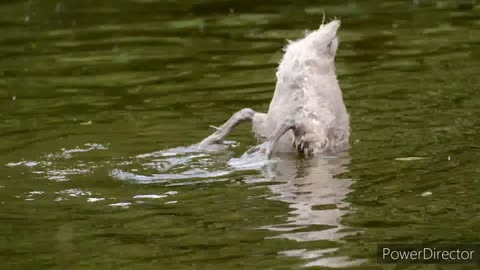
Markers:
point(96, 97)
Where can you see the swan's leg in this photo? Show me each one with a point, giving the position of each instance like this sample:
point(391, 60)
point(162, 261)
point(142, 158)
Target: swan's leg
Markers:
point(268, 147)
point(243, 115)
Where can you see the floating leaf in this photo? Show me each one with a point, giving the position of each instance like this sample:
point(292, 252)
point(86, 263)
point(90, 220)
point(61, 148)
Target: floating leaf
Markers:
point(86, 123)
point(426, 193)
point(409, 158)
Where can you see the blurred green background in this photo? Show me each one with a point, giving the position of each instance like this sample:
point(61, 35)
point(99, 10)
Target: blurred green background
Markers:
point(96, 96)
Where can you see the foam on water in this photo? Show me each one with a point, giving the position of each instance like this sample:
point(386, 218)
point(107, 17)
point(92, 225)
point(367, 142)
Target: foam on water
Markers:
point(183, 165)
point(149, 196)
point(53, 165)
point(175, 165)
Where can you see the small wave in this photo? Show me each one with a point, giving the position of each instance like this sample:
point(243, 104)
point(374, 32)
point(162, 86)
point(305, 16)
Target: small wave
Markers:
point(57, 167)
point(189, 165)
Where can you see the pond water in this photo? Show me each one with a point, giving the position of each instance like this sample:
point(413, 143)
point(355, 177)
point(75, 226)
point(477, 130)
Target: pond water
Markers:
point(100, 102)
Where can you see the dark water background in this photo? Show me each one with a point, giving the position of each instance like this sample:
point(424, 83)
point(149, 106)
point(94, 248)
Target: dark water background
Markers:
point(96, 96)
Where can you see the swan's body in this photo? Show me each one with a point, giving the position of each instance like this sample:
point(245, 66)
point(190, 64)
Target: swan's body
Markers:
point(307, 113)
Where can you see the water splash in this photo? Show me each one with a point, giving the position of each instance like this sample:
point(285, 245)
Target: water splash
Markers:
point(175, 165)
point(55, 166)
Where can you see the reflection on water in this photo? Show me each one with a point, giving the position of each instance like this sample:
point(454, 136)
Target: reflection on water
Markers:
point(316, 196)
point(313, 189)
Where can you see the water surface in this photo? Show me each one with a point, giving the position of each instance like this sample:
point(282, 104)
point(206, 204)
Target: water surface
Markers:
point(100, 101)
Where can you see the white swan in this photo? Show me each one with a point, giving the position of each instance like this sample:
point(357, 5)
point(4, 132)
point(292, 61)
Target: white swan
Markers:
point(307, 113)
